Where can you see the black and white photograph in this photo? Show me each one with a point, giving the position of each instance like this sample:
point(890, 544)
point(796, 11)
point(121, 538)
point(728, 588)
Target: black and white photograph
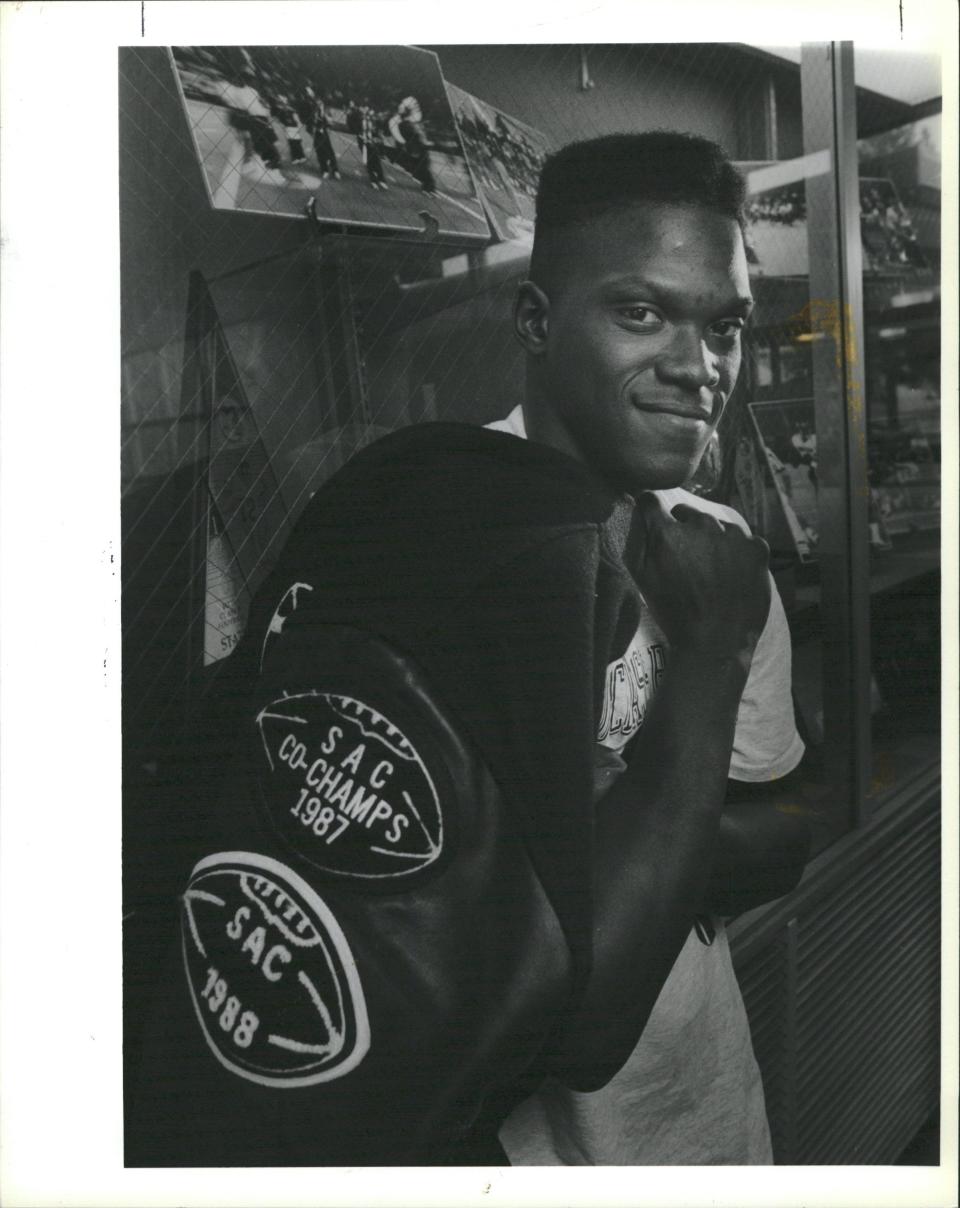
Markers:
point(363, 133)
point(786, 431)
point(889, 239)
point(510, 719)
point(505, 156)
point(778, 230)
point(390, 816)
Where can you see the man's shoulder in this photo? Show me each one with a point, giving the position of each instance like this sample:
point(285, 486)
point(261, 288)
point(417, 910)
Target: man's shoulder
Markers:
point(434, 469)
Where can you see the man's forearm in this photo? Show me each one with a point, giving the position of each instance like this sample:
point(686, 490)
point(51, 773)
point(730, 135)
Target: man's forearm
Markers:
point(763, 844)
point(656, 832)
point(708, 587)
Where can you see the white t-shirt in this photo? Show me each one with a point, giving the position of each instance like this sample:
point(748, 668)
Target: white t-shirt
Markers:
point(690, 1093)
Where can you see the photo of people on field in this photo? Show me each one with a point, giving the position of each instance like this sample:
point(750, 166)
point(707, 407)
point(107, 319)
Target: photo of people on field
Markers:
point(364, 133)
point(505, 156)
point(787, 434)
point(777, 225)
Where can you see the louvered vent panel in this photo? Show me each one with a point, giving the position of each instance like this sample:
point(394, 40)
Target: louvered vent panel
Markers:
point(872, 893)
point(850, 1056)
point(902, 923)
point(867, 977)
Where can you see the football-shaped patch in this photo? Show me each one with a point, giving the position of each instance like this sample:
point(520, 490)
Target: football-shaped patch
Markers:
point(346, 788)
point(272, 979)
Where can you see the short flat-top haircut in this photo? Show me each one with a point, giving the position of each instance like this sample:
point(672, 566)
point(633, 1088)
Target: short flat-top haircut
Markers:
point(585, 180)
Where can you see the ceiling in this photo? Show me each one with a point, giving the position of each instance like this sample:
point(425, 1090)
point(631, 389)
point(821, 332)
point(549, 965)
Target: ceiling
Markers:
point(910, 76)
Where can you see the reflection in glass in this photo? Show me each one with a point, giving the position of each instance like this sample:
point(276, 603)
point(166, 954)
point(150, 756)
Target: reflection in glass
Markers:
point(902, 362)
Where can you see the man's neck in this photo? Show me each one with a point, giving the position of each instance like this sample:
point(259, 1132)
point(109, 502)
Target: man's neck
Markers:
point(543, 425)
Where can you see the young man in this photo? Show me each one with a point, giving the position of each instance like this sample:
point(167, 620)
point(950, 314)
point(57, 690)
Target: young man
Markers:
point(632, 323)
point(468, 797)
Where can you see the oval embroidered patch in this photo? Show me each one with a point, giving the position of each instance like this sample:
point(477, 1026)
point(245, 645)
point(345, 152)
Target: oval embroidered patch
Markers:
point(272, 979)
point(346, 788)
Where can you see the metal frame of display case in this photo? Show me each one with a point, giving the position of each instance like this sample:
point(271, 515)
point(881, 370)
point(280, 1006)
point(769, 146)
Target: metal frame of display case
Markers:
point(841, 977)
point(836, 329)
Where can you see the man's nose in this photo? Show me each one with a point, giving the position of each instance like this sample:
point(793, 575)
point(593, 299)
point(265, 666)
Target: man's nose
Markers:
point(688, 362)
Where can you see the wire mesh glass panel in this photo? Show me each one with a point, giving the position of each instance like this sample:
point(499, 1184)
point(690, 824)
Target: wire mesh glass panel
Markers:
point(774, 448)
point(322, 244)
point(900, 169)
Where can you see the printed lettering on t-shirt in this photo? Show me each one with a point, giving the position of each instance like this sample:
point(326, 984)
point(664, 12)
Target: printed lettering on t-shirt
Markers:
point(630, 685)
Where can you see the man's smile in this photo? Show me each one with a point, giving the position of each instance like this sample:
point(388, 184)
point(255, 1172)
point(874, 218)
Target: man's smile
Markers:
point(686, 411)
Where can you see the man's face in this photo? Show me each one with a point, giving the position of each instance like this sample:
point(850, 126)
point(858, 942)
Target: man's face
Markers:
point(642, 340)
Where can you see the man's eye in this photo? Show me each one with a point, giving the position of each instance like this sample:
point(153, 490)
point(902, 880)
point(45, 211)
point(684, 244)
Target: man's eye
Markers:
point(640, 314)
point(728, 329)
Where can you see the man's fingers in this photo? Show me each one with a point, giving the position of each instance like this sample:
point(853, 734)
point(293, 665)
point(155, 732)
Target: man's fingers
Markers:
point(651, 508)
point(686, 514)
point(762, 549)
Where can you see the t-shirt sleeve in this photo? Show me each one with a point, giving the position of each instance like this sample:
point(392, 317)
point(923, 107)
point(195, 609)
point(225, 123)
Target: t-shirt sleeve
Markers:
point(766, 745)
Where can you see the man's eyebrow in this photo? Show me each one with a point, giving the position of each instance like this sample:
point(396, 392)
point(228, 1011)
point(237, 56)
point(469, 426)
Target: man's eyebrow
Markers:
point(631, 286)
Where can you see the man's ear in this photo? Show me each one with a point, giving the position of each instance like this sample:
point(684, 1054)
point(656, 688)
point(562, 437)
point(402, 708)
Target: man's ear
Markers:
point(531, 316)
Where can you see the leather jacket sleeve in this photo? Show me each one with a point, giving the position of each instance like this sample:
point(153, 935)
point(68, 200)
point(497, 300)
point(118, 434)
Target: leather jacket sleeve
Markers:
point(384, 888)
point(365, 947)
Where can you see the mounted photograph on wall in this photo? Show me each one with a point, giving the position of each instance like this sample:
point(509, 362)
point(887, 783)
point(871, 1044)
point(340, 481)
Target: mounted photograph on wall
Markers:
point(777, 228)
point(890, 242)
point(787, 435)
point(505, 155)
point(363, 133)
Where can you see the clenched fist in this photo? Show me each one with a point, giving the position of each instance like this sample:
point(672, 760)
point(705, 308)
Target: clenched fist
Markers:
point(706, 582)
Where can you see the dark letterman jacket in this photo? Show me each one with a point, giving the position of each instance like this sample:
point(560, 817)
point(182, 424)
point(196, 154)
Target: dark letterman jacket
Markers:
point(385, 875)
